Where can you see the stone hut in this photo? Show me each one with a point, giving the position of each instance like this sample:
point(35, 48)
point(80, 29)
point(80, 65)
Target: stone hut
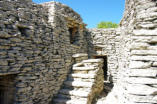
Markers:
point(48, 56)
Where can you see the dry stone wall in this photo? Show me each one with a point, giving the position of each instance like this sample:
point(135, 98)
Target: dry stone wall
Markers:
point(143, 54)
point(35, 49)
point(137, 71)
point(136, 54)
point(37, 43)
point(26, 51)
point(104, 42)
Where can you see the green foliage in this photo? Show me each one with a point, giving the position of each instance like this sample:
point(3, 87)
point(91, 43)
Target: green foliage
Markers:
point(107, 25)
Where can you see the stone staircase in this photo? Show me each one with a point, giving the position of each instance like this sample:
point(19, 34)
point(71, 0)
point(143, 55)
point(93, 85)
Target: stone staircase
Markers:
point(84, 82)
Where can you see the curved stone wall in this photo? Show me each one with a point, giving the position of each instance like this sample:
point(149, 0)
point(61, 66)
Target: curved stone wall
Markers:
point(35, 49)
point(37, 43)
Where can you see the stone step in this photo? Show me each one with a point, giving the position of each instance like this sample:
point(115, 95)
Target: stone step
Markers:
point(77, 88)
point(69, 101)
point(78, 64)
point(80, 55)
point(66, 96)
point(93, 61)
point(78, 84)
point(77, 93)
point(60, 101)
point(81, 79)
point(83, 68)
point(85, 76)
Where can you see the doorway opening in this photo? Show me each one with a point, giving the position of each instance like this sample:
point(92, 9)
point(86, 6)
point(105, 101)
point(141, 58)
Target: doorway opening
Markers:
point(105, 67)
point(73, 34)
point(7, 89)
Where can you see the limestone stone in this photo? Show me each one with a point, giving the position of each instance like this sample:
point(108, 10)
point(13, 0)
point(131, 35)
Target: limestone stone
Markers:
point(140, 80)
point(83, 68)
point(78, 84)
point(143, 52)
point(154, 64)
point(3, 62)
point(143, 99)
point(82, 75)
point(74, 93)
point(139, 64)
point(145, 32)
point(142, 72)
point(146, 58)
point(40, 46)
point(84, 85)
point(141, 89)
point(79, 55)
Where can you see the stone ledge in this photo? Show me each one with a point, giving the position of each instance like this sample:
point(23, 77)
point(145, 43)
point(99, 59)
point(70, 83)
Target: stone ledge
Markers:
point(70, 101)
point(145, 32)
point(78, 84)
point(82, 75)
point(84, 68)
point(78, 64)
point(139, 89)
point(80, 55)
point(143, 99)
point(141, 80)
point(93, 61)
point(9, 73)
point(142, 73)
point(146, 58)
point(74, 92)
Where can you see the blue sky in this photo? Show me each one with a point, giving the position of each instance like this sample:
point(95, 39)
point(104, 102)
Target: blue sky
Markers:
point(95, 11)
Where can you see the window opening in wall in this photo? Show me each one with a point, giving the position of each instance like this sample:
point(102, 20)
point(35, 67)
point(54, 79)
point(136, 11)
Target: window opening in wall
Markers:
point(73, 34)
point(23, 31)
point(105, 67)
point(7, 89)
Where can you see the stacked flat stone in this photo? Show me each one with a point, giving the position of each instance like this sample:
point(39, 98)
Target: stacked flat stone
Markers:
point(142, 75)
point(35, 46)
point(106, 41)
point(83, 84)
point(137, 58)
point(79, 57)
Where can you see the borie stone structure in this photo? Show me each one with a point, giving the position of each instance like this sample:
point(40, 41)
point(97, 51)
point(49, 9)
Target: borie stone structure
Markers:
point(48, 56)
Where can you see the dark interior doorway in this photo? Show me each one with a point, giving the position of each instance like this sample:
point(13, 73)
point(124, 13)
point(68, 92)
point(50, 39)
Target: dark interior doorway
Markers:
point(73, 34)
point(105, 67)
point(7, 89)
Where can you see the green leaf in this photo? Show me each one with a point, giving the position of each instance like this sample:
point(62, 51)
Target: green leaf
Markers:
point(107, 25)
